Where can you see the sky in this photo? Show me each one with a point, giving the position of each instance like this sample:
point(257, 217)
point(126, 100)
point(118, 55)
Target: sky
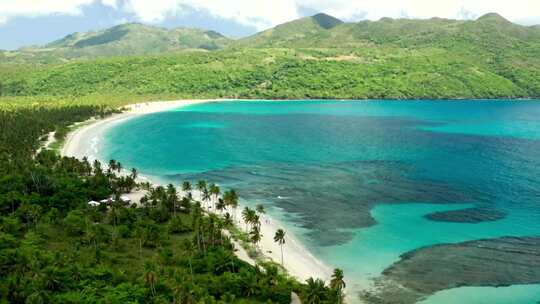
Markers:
point(34, 22)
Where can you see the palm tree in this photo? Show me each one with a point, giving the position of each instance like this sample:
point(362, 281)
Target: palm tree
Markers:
point(231, 199)
point(189, 249)
point(315, 291)
point(185, 203)
point(201, 185)
point(220, 206)
point(255, 220)
point(246, 216)
point(260, 209)
point(186, 187)
point(206, 197)
point(280, 239)
point(139, 233)
point(150, 277)
point(87, 168)
point(172, 198)
point(228, 222)
point(97, 167)
point(337, 283)
point(215, 191)
point(134, 173)
point(250, 217)
point(255, 235)
point(112, 165)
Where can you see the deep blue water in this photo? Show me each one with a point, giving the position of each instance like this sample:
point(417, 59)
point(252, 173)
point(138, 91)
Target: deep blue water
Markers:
point(354, 179)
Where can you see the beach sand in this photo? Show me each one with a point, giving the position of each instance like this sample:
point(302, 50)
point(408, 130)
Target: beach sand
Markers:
point(80, 142)
point(298, 261)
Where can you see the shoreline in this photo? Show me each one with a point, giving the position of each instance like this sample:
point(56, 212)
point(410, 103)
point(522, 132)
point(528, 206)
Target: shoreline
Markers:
point(82, 130)
point(298, 261)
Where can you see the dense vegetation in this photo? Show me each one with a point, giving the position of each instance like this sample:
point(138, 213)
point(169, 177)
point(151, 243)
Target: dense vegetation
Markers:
point(120, 40)
point(281, 73)
point(56, 248)
point(314, 57)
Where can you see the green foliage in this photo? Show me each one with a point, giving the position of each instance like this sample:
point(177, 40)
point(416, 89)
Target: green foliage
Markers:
point(176, 225)
point(108, 36)
point(286, 35)
point(74, 223)
point(313, 57)
point(54, 248)
point(278, 73)
point(120, 40)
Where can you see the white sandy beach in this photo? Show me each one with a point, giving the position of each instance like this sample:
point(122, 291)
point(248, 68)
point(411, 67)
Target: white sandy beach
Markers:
point(81, 142)
point(298, 261)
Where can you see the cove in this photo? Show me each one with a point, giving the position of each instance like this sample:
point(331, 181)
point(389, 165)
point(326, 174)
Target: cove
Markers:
point(355, 179)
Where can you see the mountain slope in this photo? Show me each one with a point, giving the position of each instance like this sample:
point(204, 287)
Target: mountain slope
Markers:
point(285, 34)
point(488, 30)
point(126, 39)
point(275, 73)
point(491, 43)
point(314, 57)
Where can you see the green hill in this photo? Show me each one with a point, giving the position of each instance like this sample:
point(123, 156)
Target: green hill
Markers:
point(281, 73)
point(490, 44)
point(121, 40)
point(286, 34)
point(313, 57)
point(487, 31)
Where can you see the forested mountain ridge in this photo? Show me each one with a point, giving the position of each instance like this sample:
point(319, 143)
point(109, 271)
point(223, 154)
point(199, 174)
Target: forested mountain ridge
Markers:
point(313, 57)
point(408, 33)
point(318, 31)
point(122, 40)
point(394, 73)
point(285, 35)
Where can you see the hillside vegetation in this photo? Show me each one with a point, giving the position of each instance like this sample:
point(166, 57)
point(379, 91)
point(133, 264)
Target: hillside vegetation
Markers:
point(121, 40)
point(56, 248)
point(313, 57)
point(387, 72)
point(287, 34)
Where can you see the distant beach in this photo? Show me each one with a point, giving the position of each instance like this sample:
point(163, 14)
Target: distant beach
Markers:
point(83, 141)
point(76, 143)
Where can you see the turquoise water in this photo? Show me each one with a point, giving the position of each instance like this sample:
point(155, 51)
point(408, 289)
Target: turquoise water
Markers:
point(355, 179)
point(516, 294)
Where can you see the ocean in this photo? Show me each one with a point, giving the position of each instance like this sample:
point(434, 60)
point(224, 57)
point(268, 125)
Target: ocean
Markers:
point(360, 182)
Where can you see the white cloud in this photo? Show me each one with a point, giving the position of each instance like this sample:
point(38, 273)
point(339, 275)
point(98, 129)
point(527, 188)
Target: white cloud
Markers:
point(376, 9)
point(34, 8)
point(111, 3)
point(260, 14)
point(12, 8)
point(152, 10)
point(530, 21)
point(266, 13)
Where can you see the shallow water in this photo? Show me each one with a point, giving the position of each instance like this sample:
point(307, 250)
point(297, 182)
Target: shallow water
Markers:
point(355, 179)
point(515, 294)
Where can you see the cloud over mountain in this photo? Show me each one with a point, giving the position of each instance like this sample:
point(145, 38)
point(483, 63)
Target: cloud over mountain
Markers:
point(264, 13)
